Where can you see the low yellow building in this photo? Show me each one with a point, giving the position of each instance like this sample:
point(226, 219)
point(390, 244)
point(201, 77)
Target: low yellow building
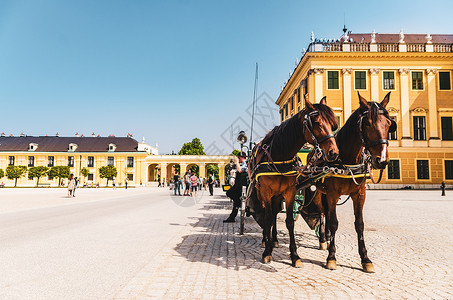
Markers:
point(417, 70)
point(138, 163)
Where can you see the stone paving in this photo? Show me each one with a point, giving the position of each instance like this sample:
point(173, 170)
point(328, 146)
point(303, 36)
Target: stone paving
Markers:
point(408, 236)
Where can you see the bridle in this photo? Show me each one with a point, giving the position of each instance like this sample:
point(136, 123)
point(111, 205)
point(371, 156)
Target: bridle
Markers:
point(309, 125)
point(366, 154)
point(366, 144)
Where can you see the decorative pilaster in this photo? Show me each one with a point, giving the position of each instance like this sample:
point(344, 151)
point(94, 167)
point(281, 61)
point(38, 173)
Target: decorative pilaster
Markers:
point(347, 93)
point(406, 139)
point(222, 173)
point(374, 74)
point(434, 140)
point(318, 84)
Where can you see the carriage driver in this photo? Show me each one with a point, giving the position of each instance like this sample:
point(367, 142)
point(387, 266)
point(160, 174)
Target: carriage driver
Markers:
point(235, 191)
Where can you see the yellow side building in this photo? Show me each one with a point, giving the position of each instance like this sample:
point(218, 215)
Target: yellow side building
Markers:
point(417, 70)
point(138, 163)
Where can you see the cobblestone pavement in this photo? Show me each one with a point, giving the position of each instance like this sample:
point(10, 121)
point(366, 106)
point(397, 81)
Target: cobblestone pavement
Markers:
point(408, 235)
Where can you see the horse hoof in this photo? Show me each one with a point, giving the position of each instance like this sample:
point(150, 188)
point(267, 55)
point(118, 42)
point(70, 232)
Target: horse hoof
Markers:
point(297, 264)
point(331, 265)
point(323, 246)
point(267, 259)
point(368, 267)
point(275, 244)
point(263, 245)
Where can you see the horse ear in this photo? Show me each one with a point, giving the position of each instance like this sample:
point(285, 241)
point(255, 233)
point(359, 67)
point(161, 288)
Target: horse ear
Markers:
point(323, 101)
point(363, 102)
point(386, 100)
point(308, 103)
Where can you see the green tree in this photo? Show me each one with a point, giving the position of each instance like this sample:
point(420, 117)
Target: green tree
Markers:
point(195, 169)
point(85, 172)
point(37, 172)
point(59, 172)
point(2, 173)
point(214, 169)
point(192, 148)
point(108, 172)
point(15, 172)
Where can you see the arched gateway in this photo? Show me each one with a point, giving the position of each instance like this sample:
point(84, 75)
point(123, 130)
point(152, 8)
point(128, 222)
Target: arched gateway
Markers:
point(165, 165)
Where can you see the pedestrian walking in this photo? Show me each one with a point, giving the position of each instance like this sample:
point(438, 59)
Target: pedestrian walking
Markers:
point(113, 184)
point(125, 183)
point(75, 186)
point(187, 184)
point(194, 184)
point(211, 184)
point(177, 183)
point(71, 186)
point(442, 187)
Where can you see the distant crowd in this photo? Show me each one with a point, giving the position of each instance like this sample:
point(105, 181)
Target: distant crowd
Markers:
point(190, 183)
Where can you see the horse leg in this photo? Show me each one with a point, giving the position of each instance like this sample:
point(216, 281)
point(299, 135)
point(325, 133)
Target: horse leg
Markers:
point(359, 201)
point(289, 199)
point(322, 233)
point(267, 254)
point(274, 233)
point(332, 225)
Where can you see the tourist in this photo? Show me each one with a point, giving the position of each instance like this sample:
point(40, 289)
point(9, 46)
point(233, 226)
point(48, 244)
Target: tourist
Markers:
point(71, 186)
point(194, 184)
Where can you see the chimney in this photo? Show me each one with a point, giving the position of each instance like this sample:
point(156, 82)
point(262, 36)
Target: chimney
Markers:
point(57, 135)
point(93, 135)
point(77, 134)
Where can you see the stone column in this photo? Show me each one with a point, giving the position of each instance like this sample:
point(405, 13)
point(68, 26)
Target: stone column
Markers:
point(347, 96)
point(406, 139)
point(202, 169)
point(374, 74)
point(319, 91)
point(163, 172)
point(183, 169)
point(222, 173)
point(434, 140)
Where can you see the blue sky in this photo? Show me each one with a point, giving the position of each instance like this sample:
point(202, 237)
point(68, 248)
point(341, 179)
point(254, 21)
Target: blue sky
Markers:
point(168, 70)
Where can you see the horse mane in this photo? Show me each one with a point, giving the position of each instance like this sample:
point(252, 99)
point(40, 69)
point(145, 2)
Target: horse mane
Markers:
point(283, 137)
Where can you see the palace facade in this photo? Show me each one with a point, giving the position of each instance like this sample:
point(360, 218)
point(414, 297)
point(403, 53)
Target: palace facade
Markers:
point(417, 70)
point(136, 162)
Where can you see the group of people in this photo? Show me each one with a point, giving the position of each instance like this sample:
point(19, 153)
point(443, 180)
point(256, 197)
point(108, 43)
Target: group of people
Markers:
point(191, 183)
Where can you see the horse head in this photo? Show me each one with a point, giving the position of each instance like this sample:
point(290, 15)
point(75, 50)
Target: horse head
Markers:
point(374, 125)
point(319, 123)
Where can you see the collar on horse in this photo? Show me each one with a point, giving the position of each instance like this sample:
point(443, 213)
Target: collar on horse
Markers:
point(273, 169)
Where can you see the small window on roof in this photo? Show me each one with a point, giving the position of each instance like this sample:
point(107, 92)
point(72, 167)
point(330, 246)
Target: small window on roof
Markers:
point(32, 147)
point(112, 147)
point(72, 147)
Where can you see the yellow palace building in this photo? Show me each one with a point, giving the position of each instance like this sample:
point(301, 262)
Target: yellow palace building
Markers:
point(136, 162)
point(417, 70)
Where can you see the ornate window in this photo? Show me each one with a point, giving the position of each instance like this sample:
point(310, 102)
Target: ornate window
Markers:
point(50, 161)
point(360, 80)
point(417, 80)
point(419, 128)
point(449, 169)
point(422, 169)
point(130, 161)
point(71, 161)
point(389, 80)
point(110, 161)
point(332, 80)
point(31, 161)
point(90, 163)
point(446, 126)
point(393, 169)
point(11, 160)
point(444, 81)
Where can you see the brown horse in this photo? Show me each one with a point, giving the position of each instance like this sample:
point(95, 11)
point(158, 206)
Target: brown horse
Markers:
point(364, 135)
point(314, 124)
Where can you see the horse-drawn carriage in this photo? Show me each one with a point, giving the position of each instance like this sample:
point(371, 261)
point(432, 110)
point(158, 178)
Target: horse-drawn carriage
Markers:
point(331, 169)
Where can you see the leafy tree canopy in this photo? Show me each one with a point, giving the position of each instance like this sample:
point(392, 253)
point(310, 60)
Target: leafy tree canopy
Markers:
point(85, 172)
point(108, 172)
point(37, 172)
point(214, 169)
point(2, 173)
point(15, 172)
point(192, 148)
point(59, 172)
